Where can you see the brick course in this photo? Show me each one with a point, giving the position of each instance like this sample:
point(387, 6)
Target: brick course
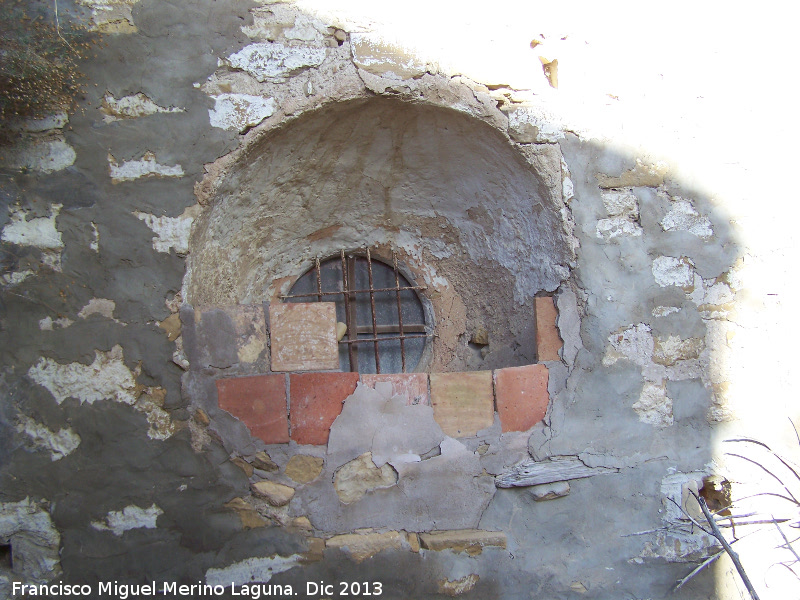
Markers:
point(315, 402)
point(259, 402)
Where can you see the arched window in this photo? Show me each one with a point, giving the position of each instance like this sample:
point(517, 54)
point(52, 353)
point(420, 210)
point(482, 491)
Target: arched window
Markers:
point(384, 324)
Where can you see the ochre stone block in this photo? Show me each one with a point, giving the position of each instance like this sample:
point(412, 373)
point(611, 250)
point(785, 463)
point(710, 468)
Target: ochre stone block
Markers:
point(303, 336)
point(522, 397)
point(259, 402)
point(471, 541)
point(548, 342)
point(463, 403)
point(413, 386)
point(315, 402)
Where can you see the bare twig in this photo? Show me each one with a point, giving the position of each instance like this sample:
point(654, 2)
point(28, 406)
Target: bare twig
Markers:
point(683, 581)
point(721, 538)
point(785, 539)
point(766, 470)
point(58, 27)
point(688, 516)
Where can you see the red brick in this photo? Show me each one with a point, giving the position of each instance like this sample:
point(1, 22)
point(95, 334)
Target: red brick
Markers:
point(548, 342)
point(413, 386)
point(463, 403)
point(259, 402)
point(303, 336)
point(315, 402)
point(521, 394)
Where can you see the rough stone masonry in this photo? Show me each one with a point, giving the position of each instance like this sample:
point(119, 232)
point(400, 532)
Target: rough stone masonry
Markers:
point(221, 147)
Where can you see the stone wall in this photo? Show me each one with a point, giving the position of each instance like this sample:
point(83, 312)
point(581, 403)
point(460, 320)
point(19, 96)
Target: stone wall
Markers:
point(594, 308)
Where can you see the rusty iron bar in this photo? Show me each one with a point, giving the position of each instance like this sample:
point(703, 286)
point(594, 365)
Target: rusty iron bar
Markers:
point(372, 310)
point(391, 289)
point(319, 279)
point(386, 338)
point(352, 354)
point(415, 328)
point(399, 312)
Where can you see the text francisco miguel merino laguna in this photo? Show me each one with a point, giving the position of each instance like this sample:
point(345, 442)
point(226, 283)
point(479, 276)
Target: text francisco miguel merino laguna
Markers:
point(123, 591)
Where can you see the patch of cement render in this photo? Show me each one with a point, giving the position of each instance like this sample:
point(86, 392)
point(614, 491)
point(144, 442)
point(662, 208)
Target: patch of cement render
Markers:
point(147, 166)
point(447, 490)
point(251, 570)
point(130, 517)
point(59, 443)
point(107, 378)
point(33, 538)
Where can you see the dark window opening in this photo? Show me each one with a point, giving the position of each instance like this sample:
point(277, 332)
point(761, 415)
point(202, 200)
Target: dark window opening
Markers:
point(386, 329)
point(6, 561)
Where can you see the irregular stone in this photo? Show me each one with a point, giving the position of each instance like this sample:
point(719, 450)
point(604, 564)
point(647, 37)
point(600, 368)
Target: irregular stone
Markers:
point(111, 16)
point(147, 166)
point(274, 61)
point(654, 407)
point(669, 270)
point(171, 326)
point(608, 229)
point(459, 586)
point(60, 443)
point(303, 468)
point(667, 351)
point(247, 514)
point(535, 124)
point(360, 476)
point(263, 461)
point(243, 465)
point(107, 378)
point(413, 541)
point(252, 569)
point(480, 337)
point(303, 524)
point(642, 175)
point(151, 403)
point(303, 336)
point(33, 538)
point(385, 58)
point(276, 494)
point(237, 112)
point(171, 232)
point(471, 541)
point(634, 343)
point(361, 546)
point(549, 491)
point(621, 203)
point(130, 517)
point(131, 107)
point(682, 216)
point(463, 403)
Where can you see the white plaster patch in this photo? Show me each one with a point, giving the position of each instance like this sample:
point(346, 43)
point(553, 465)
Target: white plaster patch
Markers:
point(385, 57)
point(131, 107)
point(39, 232)
point(274, 61)
point(147, 166)
point(239, 111)
point(535, 124)
point(107, 378)
point(95, 243)
point(42, 155)
point(48, 324)
point(251, 570)
point(634, 343)
point(617, 227)
point(16, 277)
point(111, 16)
point(130, 517)
point(160, 424)
point(98, 306)
point(33, 538)
point(59, 443)
point(663, 311)
point(171, 232)
point(619, 203)
point(654, 407)
point(682, 216)
point(669, 270)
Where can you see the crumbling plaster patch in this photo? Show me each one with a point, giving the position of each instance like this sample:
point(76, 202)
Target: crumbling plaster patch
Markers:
point(111, 16)
point(171, 232)
point(275, 61)
point(147, 166)
point(34, 540)
point(130, 517)
point(59, 443)
point(39, 232)
point(258, 569)
point(238, 112)
point(131, 107)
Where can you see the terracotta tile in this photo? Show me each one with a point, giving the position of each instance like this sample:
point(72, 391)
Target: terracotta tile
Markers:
point(303, 336)
point(412, 385)
point(548, 342)
point(259, 402)
point(522, 396)
point(463, 403)
point(315, 402)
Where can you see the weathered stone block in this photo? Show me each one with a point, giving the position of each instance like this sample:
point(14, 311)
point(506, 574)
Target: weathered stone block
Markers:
point(276, 494)
point(548, 342)
point(414, 386)
point(303, 468)
point(316, 401)
point(259, 402)
point(463, 403)
point(522, 397)
point(360, 546)
point(471, 541)
point(303, 336)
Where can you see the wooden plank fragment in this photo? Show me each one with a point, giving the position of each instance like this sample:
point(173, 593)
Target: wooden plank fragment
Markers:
point(558, 468)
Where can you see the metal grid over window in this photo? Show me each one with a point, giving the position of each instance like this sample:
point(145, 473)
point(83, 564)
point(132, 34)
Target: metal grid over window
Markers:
point(384, 317)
